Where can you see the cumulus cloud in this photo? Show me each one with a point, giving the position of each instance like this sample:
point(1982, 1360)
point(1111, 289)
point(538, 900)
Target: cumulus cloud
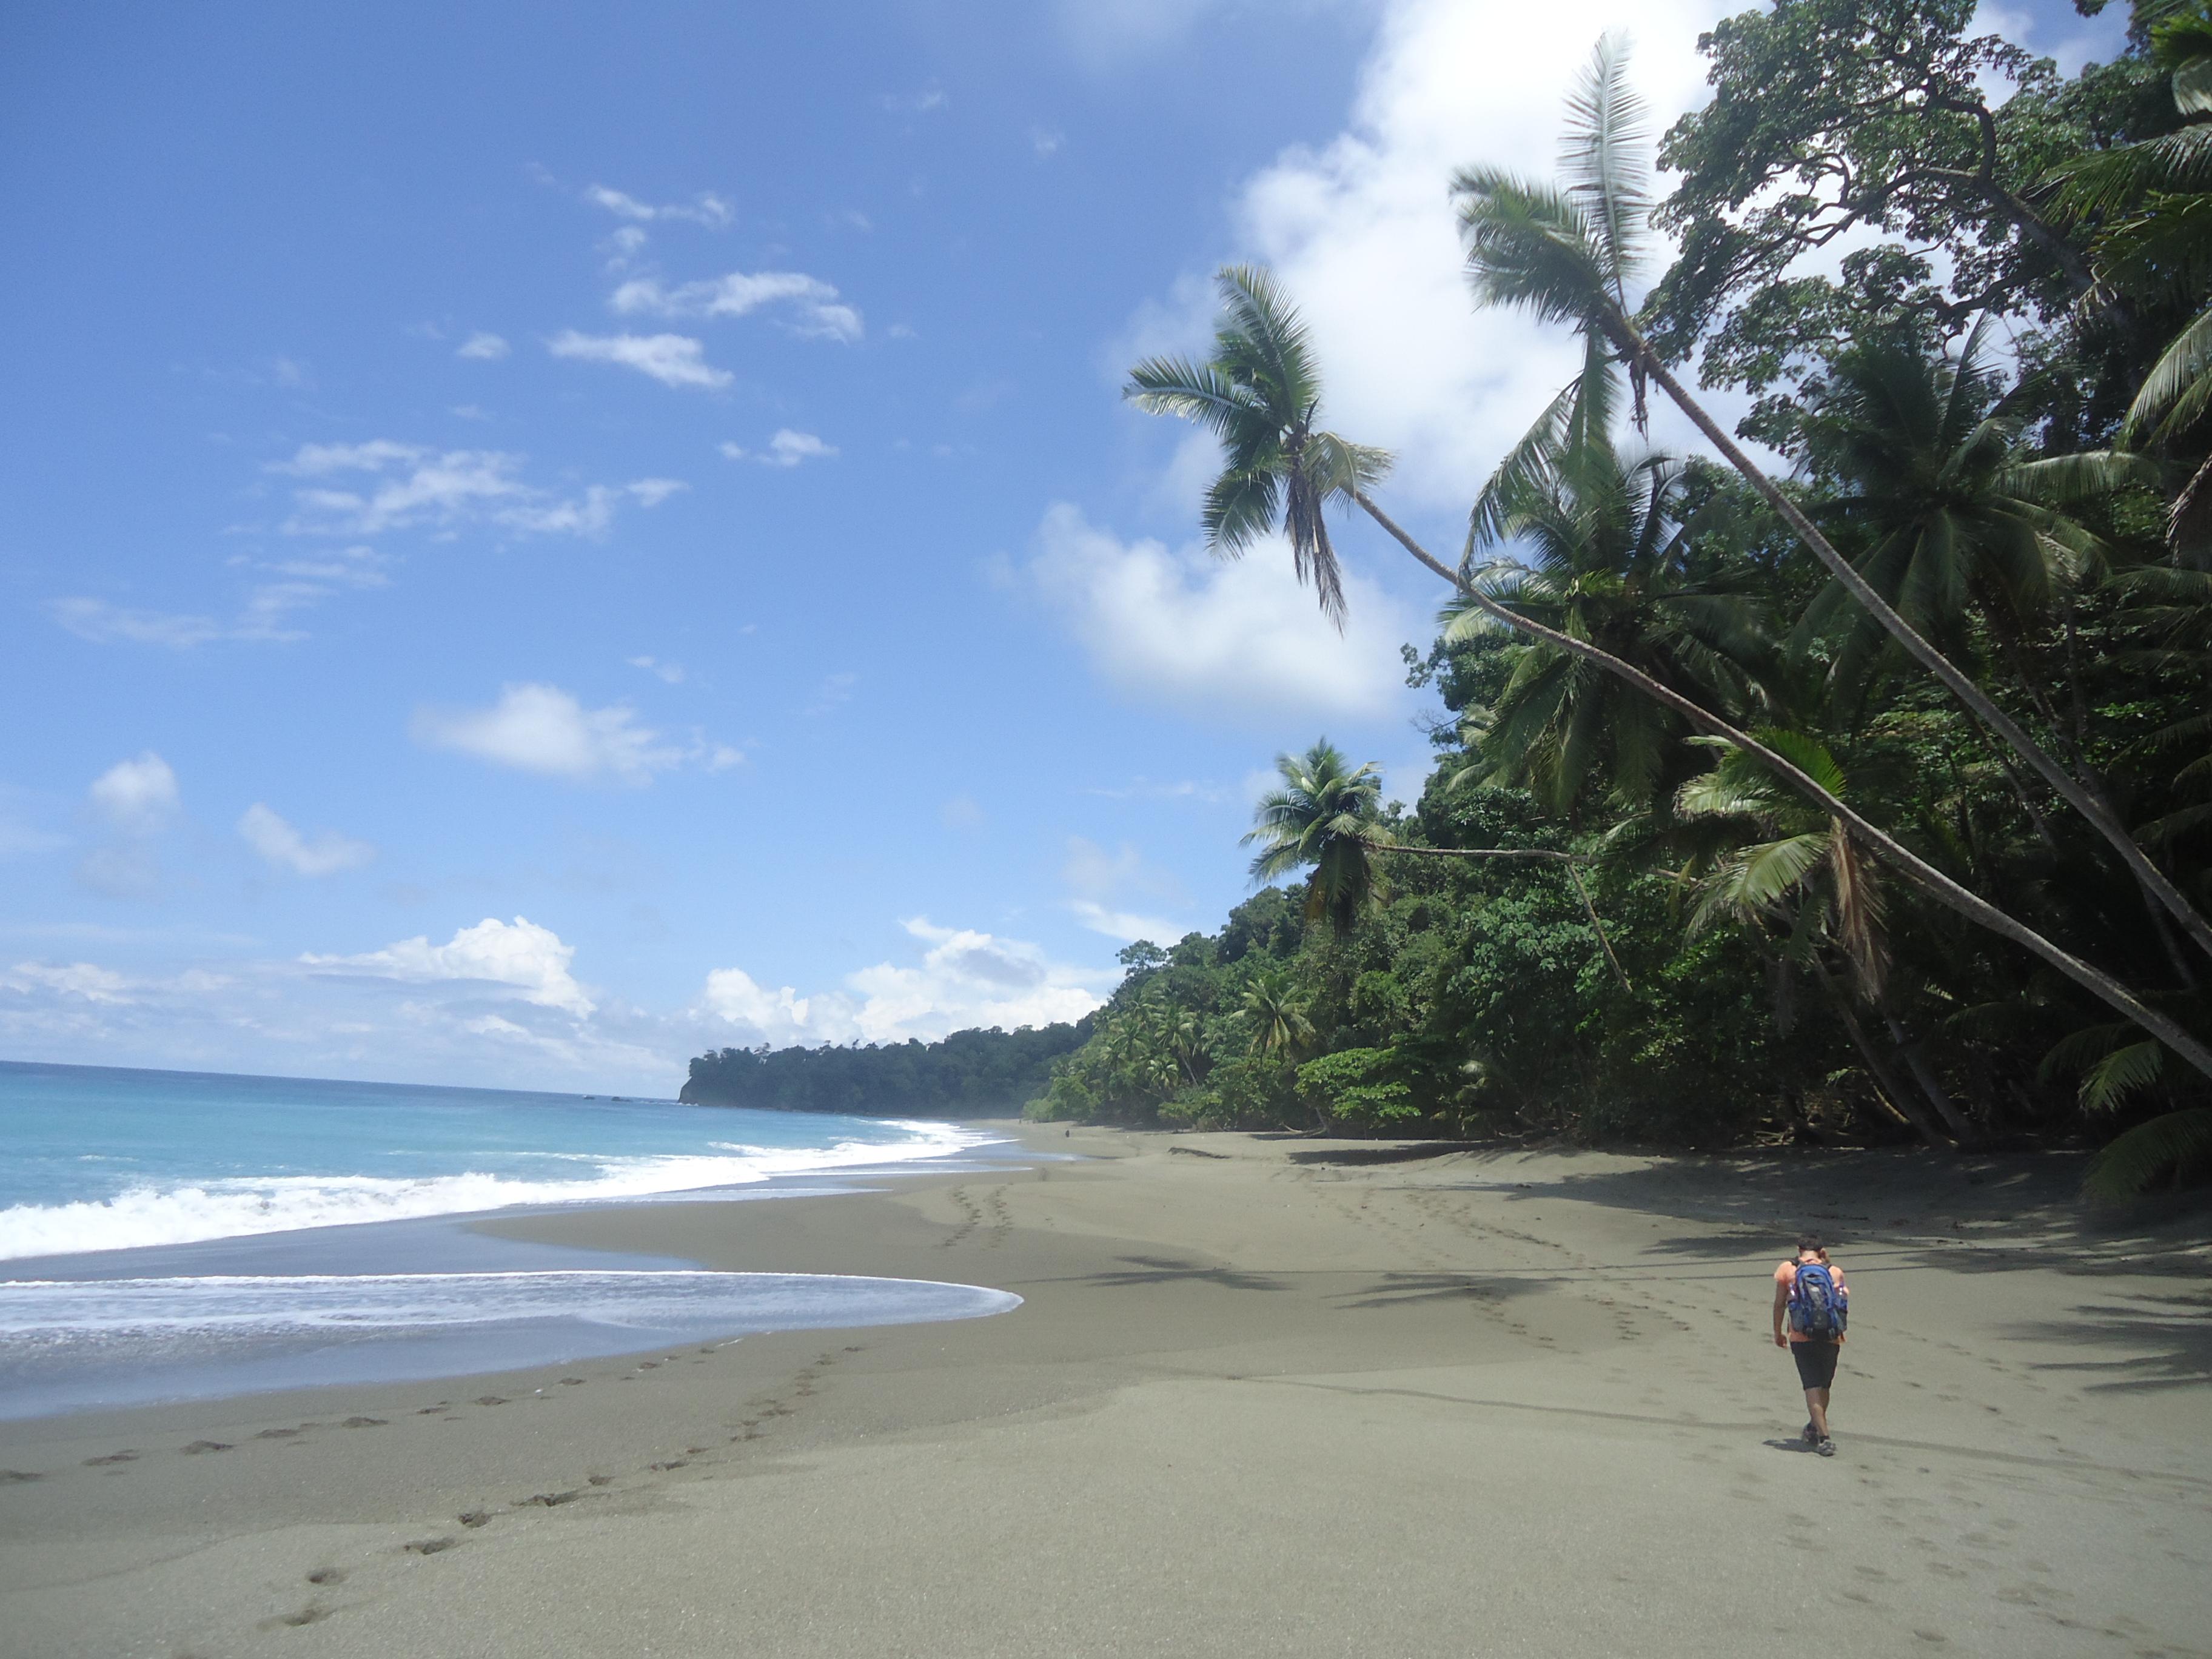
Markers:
point(1182, 627)
point(543, 729)
point(139, 796)
point(806, 305)
point(483, 348)
point(786, 448)
point(520, 954)
point(674, 360)
point(1361, 234)
point(705, 208)
point(285, 847)
point(965, 978)
point(651, 492)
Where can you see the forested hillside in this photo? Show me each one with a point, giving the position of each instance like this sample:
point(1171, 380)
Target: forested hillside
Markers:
point(968, 1075)
point(1868, 795)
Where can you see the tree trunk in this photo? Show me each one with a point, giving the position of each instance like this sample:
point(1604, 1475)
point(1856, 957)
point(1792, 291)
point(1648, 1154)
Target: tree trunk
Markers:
point(1906, 1109)
point(1893, 852)
point(1638, 351)
point(1909, 1050)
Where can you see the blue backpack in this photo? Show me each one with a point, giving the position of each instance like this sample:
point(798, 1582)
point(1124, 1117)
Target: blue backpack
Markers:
point(1817, 1308)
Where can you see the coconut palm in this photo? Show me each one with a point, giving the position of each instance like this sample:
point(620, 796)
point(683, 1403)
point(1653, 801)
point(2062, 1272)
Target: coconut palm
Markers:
point(1324, 817)
point(1351, 872)
point(1571, 254)
point(1259, 394)
point(1277, 1019)
point(1608, 554)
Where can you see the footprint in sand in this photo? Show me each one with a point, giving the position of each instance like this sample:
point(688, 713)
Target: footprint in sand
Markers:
point(489, 1400)
point(572, 1381)
point(430, 1546)
point(363, 1423)
point(111, 1457)
point(9, 1477)
point(473, 1517)
point(307, 1615)
point(327, 1576)
point(199, 1446)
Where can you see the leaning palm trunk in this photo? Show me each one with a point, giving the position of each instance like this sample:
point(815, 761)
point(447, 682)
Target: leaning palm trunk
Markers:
point(1632, 345)
point(1907, 863)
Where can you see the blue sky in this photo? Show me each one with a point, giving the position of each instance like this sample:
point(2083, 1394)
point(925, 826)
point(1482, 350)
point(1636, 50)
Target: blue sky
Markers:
point(535, 544)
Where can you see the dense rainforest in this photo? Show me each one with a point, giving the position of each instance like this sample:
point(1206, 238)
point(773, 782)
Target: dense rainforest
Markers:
point(990, 1073)
point(1871, 799)
point(1855, 786)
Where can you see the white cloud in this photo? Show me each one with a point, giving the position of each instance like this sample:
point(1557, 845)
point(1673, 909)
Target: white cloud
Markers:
point(286, 848)
point(810, 305)
point(543, 729)
point(706, 208)
point(139, 796)
point(1046, 143)
point(1101, 882)
point(961, 812)
point(520, 954)
point(927, 102)
point(964, 979)
point(786, 448)
point(674, 360)
point(263, 616)
point(1361, 234)
point(672, 672)
point(1184, 628)
point(651, 492)
point(483, 348)
point(416, 487)
point(83, 979)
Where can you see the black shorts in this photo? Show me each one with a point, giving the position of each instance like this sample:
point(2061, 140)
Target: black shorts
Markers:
point(1816, 1363)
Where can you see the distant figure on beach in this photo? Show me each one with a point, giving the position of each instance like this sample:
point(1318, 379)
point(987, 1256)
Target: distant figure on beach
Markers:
point(1812, 1305)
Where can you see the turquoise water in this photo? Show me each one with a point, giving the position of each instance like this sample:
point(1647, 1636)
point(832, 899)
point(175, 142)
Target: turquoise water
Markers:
point(97, 1159)
point(203, 1235)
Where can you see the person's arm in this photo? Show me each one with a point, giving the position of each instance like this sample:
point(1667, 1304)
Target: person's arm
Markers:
point(1781, 1307)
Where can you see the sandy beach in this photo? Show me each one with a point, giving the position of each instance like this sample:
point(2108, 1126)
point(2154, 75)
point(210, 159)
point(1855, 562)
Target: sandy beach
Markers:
point(1263, 1396)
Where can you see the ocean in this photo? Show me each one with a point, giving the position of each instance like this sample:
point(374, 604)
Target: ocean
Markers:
point(170, 1234)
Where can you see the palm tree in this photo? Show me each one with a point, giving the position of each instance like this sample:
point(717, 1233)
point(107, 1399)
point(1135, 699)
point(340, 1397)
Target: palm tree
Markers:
point(1609, 558)
point(1570, 255)
point(1770, 863)
point(1259, 394)
point(1277, 1020)
point(1324, 817)
point(1217, 395)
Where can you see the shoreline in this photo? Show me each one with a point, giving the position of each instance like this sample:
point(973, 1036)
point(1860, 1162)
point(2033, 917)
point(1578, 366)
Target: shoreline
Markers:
point(1293, 1397)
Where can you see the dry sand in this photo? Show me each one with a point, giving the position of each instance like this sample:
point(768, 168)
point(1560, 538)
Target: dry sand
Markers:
point(1263, 1398)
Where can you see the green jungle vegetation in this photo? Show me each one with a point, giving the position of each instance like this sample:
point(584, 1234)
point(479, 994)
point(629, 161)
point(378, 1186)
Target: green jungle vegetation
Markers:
point(990, 1073)
point(1871, 801)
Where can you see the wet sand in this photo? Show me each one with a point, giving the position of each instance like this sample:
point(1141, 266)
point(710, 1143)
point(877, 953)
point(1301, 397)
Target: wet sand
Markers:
point(1263, 1397)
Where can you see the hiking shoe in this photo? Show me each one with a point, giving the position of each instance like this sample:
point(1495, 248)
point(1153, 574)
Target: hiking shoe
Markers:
point(1812, 1435)
point(1827, 1447)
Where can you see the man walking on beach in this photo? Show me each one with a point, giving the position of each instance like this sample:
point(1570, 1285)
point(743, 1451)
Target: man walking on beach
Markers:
point(1811, 1304)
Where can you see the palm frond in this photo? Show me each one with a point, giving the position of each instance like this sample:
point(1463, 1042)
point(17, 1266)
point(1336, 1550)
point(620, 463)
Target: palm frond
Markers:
point(1530, 247)
point(2175, 391)
point(1601, 154)
point(2119, 1074)
point(2168, 1150)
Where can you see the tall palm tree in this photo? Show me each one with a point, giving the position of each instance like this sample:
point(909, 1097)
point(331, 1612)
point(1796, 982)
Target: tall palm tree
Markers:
point(1572, 255)
point(1259, 393)
point(1324, 817)
point(1209, 394)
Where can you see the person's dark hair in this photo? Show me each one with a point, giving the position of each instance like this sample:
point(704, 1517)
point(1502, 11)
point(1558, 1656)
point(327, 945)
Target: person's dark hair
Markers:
point(1809, 1243)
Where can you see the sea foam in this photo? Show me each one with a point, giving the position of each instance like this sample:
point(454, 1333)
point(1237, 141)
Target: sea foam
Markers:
point(187, 1212)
